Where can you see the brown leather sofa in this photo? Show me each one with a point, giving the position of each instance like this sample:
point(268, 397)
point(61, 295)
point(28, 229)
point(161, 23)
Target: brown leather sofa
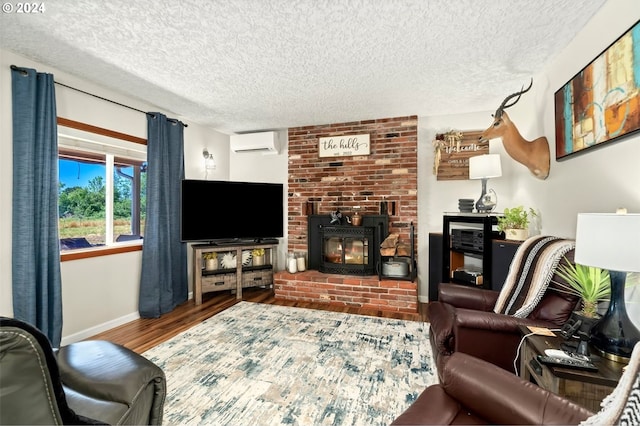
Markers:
point(474, 392)
point(90, 382)
point(462, 320)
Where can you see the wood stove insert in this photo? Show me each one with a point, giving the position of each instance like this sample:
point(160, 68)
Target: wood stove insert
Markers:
point(376, 227)
point(347, 250)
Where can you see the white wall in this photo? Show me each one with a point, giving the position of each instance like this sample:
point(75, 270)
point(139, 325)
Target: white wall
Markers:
point(102, 292)
point(600, 180)
point(198, 138)
point(265, 167)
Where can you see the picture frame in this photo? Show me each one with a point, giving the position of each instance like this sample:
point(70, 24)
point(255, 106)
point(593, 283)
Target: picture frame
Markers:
point(601, 103)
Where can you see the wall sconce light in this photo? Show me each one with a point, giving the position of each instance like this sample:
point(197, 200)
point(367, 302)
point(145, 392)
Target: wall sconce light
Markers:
point(209, 162)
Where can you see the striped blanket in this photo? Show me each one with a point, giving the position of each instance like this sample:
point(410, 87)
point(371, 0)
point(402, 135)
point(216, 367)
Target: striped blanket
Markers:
point(529, 275)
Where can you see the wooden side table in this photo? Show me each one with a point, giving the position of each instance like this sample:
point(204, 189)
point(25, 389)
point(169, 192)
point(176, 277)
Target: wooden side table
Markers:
point(585, 388)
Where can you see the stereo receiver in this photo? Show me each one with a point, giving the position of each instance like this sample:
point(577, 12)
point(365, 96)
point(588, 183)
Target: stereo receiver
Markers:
point(467, 239)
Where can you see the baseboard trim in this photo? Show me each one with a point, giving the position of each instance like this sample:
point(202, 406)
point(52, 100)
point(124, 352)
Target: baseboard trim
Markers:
point(97, 329)
point(92, 331)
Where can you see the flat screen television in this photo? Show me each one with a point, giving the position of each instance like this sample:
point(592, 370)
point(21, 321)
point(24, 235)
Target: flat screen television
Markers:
point(226, 211)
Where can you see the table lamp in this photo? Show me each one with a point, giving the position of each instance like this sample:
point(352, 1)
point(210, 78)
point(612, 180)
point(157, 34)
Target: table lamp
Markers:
point(484, 167)
point(612, 242)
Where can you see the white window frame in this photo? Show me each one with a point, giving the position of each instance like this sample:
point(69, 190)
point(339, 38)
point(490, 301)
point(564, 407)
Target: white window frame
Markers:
point(95, 142)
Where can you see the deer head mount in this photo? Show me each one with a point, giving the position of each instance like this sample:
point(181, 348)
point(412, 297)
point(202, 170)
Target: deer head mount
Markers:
point(532, 154)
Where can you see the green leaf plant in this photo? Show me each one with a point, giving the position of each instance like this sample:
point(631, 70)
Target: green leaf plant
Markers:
point(515, 218)
point(590, 283)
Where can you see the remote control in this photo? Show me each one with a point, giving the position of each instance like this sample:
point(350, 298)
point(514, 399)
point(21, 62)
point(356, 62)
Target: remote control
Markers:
point(557, 353)
point(576, 363)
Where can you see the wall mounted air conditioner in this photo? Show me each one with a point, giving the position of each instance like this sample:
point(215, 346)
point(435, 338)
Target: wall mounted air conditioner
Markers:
point(265, 142)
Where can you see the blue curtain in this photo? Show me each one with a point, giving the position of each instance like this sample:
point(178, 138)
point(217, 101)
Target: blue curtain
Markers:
point(36, 279)
point(163, 283)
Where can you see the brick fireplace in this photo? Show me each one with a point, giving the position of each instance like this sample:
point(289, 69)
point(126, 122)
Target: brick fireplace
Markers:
point(386, 179)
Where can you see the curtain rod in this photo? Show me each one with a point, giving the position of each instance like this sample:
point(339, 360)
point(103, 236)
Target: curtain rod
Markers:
point(24, 72)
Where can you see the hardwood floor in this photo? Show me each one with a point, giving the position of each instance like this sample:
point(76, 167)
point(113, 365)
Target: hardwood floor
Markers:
point(145, 333)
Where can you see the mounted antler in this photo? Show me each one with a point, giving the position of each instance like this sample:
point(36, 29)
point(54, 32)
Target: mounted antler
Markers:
point(504, 105)
point(533, 154)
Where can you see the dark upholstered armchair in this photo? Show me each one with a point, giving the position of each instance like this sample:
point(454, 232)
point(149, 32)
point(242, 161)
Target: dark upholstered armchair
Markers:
point(473, 391)
point(463, 320)
point(90, 382)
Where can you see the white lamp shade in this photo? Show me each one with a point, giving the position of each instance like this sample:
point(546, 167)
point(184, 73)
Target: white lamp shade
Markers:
point(210, 163)
point(485, 166)
point(608, 241)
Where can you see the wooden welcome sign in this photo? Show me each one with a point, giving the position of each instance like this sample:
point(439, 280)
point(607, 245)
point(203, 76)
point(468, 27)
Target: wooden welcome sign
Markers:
point(452, 151)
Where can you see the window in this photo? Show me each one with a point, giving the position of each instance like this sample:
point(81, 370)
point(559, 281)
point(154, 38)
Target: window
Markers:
point(102, 187)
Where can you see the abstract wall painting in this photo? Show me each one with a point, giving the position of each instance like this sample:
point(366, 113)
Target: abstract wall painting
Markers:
point(601, 103)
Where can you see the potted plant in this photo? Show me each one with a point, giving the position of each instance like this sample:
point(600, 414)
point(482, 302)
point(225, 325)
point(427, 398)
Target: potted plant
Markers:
point(591, 284)
point(258, 256)
point(210, 261)
point(515, 223)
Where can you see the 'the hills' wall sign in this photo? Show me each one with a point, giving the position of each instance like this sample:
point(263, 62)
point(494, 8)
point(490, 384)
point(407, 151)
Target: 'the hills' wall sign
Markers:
point(344, 146)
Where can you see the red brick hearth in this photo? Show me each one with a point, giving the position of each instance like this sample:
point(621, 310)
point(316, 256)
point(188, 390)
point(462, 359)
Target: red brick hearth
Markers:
point(348, 290)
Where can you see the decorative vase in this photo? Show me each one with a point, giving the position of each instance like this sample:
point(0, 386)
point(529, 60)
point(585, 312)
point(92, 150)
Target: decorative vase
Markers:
point(292, 263)
point(516, 234)
point(614, 336)
point(258, 260)
point(301, 262)
point(211, 264)
point(356, 219)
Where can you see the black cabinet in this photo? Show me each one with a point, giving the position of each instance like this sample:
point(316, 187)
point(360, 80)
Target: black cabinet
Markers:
point(501, 253)
point(466, 247)
point(435, 265)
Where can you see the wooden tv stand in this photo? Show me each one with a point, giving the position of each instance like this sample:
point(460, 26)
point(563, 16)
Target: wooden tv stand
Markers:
point(234, 279)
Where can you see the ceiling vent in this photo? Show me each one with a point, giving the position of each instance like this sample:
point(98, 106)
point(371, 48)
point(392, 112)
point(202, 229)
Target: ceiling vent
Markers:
point(265, 142)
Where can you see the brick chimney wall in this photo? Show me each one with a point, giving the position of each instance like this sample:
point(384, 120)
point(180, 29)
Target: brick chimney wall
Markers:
point(389, 173)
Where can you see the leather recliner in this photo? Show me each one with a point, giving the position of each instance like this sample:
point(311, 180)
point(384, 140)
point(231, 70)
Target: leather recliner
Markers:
point(473, 391)
point(90, 382)
point(462, 320)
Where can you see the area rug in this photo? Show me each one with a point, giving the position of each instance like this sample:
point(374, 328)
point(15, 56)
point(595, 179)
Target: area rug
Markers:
point(259, 364)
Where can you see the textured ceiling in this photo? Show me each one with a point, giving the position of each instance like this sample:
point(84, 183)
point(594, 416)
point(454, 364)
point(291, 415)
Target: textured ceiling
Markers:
point(248, 65)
